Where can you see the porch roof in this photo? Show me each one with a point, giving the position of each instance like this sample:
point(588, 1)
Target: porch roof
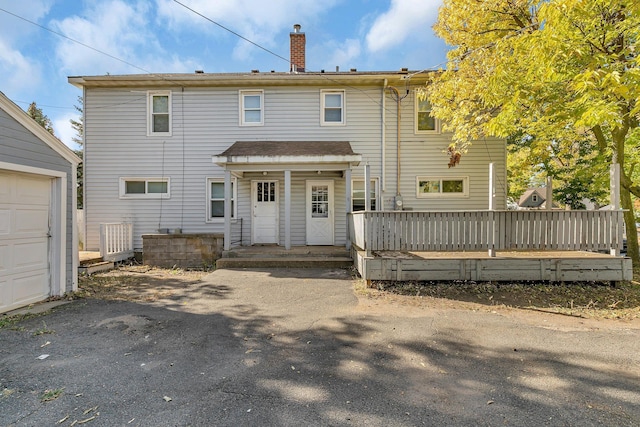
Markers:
point(294, 155)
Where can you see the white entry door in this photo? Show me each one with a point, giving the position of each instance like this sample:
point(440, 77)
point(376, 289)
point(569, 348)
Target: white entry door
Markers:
point(319, 212)
point(264, 206)
point(24, 239)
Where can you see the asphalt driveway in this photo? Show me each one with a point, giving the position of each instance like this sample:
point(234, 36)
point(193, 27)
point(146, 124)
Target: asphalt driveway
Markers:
point(300, 347)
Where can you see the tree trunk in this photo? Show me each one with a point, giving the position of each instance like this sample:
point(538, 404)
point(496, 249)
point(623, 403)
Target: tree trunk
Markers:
point(630, 223)
point(619, 136)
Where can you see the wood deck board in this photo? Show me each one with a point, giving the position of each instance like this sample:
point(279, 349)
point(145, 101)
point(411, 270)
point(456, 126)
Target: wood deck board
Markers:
point(556, 266)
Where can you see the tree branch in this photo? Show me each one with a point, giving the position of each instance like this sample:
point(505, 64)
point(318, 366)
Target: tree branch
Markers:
point(600, 138)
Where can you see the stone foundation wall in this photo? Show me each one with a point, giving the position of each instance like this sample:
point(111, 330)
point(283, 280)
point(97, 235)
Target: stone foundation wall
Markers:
point(181, 250)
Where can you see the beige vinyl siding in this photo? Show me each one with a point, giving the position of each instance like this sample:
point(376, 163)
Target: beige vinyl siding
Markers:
point(204, 123)
point(424, 155)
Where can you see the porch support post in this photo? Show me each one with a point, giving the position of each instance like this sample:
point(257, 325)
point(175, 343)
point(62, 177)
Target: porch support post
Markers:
point(493, 227)
point(367, 208)
point(617, 220)
point(227, 210)
point(348, 203)
point(367, 187)
point(614, 186)
point(287, 209)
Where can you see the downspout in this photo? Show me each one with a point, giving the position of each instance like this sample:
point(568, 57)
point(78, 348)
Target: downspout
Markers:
point(398, 168)
point(383, 130)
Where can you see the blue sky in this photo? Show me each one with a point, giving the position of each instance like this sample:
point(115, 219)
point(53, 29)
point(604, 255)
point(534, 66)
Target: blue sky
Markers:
point(162, 36)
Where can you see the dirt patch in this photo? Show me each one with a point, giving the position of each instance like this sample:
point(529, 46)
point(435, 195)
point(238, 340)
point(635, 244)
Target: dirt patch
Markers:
point(137, 283)
point(582, 299)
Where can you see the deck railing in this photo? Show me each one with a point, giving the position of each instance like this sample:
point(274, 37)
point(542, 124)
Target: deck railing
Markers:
point(487, 230)
point(116, 241)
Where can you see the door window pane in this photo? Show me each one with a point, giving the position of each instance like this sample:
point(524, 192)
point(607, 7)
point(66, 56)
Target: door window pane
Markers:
point(319, 201)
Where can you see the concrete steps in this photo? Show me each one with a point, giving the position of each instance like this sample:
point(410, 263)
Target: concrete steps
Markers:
point(95, 267)
point(278, 257)
point(92, 262)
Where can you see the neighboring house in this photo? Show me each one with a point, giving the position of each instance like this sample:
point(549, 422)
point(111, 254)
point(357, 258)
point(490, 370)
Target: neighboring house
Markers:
point(38, 244)
point(269, 158)
point(533, 198)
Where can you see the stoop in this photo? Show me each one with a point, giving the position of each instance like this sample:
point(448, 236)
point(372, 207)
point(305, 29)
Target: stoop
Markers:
point(278, 257)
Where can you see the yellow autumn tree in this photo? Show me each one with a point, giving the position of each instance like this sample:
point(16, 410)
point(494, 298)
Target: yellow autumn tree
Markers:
point(559, 71)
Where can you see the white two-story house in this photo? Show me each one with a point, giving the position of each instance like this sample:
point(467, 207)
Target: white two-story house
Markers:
point(269, 157)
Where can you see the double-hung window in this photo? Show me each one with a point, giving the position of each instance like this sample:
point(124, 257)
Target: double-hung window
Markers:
point(159, 113)
point(358, 195)
point(251, 108)
point(424, 123)
point(430, 186)
point(144, 188)
point(215, 198)
point(332, 108)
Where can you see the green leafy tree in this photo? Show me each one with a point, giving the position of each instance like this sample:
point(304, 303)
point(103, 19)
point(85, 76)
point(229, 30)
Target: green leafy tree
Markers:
point(37, 115)
point(566, 73)
point(78, 126)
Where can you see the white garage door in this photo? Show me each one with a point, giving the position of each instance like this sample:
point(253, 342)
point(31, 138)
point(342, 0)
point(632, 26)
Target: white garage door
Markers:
point(24, 241)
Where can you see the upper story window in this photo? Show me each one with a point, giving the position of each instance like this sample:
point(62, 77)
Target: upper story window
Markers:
point(159, 113)
point(144, 188)
point(358, 195)
point(332, 108)
point(251, 108)
point(430, 186)
point(424, 123)
point(215, 197)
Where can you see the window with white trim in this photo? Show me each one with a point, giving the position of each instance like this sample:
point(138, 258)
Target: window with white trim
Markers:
point(144, 188)
point(358, 195)
point(251, 108)
point(434, 186)
point(424, 123)
point(159, 113)
point(215, 199)
point(332, 109)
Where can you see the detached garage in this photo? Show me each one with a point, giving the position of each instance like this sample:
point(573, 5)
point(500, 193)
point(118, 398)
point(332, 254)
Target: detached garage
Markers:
point(38, 244)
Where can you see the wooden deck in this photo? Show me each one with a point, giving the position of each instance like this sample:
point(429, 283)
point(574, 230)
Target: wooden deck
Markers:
point(550, 266)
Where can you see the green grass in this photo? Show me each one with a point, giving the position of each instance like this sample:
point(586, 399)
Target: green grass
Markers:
point(52, 394)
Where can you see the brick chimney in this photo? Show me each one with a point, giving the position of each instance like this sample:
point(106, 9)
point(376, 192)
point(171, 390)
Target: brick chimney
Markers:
point(298, 42)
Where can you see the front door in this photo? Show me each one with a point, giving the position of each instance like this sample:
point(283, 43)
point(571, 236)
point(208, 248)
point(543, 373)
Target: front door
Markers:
point(319, 212)
point(264, 206)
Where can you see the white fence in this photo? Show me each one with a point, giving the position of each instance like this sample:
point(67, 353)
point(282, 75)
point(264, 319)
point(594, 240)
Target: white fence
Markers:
point(116, 241)
point(487, 230)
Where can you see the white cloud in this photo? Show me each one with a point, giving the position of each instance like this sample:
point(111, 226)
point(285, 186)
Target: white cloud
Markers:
point(33, 10)
point(17, 71)
point(64, 131)
point(404, 19)
point(344, 54)
point(257, 20)
point(20, 72)
point(119, 29)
